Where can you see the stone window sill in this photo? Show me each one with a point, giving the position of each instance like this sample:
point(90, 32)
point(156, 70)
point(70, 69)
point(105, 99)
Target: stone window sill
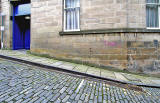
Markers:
point(107, 31)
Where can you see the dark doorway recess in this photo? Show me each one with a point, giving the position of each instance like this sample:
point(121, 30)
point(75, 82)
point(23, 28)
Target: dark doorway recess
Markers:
point(18, 2)
point(21, 24)
point(21, 34)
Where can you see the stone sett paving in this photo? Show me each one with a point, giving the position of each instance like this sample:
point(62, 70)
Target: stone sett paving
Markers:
point(26, 84)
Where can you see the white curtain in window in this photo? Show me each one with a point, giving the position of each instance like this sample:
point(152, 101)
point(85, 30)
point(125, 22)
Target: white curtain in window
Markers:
point(152, 13)
point(72, 14)
point(152, 16)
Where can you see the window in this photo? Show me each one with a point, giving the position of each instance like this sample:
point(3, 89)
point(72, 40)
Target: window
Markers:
point(153, 13)
point(156, 44)
point(71, 15)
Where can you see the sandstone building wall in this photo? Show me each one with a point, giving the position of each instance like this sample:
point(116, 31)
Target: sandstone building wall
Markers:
point(125, 42)
point(7, 37)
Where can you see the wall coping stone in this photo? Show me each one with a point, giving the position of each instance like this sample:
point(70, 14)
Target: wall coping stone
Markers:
point(105, 31)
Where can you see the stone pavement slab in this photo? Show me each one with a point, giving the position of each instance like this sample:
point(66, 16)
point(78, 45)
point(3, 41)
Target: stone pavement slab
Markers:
point(81, 68)
point(48, 62)
point(94, 71)
point(130, 77)
point(156, 81)
point(107, 74)
point(119, 76)
point(58, 63)
point(68, 66)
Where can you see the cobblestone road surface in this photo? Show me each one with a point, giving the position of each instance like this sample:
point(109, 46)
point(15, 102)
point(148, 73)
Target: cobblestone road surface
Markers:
point(20, 83)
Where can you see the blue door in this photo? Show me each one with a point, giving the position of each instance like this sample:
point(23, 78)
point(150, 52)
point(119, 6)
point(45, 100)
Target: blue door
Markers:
point(27, 39)
point(21, 27)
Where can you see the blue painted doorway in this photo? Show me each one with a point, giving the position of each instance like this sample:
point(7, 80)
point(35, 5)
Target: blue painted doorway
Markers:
point(21, 26)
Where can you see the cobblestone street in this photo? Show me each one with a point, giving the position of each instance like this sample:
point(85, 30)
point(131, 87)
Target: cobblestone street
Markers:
point(21, 83)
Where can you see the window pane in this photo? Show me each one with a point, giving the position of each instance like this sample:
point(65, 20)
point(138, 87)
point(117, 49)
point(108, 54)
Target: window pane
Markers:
point(72, 3)
point(67, 3)
point(77, 3)
point(152, 16)
point(77, 17)
point(71, 14)
point(68, 20)
point(72, 19)
point(152, 1)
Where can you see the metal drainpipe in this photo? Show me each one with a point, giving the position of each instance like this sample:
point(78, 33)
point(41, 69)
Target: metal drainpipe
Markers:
point(2, 27)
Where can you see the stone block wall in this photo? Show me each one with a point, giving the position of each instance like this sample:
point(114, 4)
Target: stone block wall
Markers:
point(103, 14)
point(135, 51)
point(132, 51)
point(112, 14)
point(46, 18)
point(94, 14)
point(136, 13)
point(5, 9)
point(143, 53)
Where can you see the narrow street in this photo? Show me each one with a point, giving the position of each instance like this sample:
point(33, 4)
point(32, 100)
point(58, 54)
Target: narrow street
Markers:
point(21, 83)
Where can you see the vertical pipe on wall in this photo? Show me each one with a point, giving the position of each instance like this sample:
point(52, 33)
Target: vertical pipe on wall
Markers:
point(2, 29)
point(2, 35)
point(10, 26)
point(13, 21)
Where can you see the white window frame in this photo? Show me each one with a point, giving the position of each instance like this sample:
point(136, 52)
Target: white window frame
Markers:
point(64, 18)
point(154, 28)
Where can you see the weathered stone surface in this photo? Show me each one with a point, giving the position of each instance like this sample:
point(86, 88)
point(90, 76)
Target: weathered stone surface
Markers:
point(83, 90)
point(100, 49)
